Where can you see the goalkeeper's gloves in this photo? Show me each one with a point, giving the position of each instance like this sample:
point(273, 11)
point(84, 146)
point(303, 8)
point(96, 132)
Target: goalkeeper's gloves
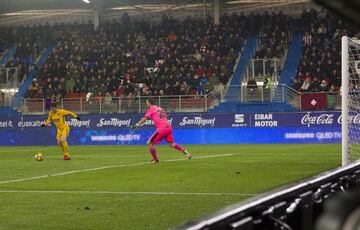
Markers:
point(134, 127)
point(77, 118)
point(42, 125)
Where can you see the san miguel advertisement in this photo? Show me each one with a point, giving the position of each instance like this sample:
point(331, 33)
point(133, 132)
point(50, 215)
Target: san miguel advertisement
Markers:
point(197, 128)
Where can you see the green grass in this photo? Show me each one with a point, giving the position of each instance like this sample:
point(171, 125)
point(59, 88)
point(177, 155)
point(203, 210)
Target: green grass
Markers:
point(218, 182)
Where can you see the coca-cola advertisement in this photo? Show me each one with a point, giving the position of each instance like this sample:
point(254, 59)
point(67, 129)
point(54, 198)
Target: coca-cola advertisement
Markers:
point(324, 119)
point(300, 119)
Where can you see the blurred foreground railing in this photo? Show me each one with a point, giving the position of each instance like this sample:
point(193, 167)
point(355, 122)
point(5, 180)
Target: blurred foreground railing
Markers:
point(298, 206)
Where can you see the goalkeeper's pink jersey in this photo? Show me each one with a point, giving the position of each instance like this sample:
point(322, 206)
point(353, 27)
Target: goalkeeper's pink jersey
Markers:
point(159, 117)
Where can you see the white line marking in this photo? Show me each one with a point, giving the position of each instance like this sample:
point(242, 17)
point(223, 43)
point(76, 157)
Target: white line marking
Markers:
point(132, 193)
point(104, 167)
point(209, 156)
point(20, 150)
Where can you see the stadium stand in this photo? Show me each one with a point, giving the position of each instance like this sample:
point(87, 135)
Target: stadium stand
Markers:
point(5, 40)
point(173, 58)
point(130, 61)
point(24, 45)
point(320, 64)
point(196, 61)
point(274, 36)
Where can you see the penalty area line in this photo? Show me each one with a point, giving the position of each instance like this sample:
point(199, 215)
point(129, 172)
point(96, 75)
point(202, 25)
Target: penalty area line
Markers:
point(105, 167)
point(131, 193)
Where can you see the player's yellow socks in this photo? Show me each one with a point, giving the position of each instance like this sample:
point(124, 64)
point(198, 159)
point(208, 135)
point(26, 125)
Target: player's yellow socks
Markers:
point(62, 147)
point(66, 148)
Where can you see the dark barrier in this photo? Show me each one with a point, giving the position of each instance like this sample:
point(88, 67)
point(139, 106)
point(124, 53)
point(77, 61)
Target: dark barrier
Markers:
point(298, 206)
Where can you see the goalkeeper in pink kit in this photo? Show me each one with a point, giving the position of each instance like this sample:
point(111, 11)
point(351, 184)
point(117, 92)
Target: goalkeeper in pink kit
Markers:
point(163, 130)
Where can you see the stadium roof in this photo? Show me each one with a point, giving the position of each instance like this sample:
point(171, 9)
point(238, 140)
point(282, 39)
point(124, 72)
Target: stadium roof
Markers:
point(31, 12)
point(25, 5)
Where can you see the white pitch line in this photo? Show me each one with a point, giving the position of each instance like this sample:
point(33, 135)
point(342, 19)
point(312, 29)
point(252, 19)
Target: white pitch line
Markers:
point(104, 167)
point(209, 156)
point(132, 193)
point(20, 150)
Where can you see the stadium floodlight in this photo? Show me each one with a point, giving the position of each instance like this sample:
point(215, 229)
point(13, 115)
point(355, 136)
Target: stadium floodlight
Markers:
point(86, 1)
point(350, 94)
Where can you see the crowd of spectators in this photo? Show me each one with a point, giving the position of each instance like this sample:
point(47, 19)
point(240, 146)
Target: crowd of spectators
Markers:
point(274, 35)
point(28, 43)
point(4, 42)
point(319, 69)
point(28, 40)
point(138, 58)
point(274, 38)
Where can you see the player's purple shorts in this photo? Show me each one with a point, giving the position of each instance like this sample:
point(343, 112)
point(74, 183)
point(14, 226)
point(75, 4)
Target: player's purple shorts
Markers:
point(163, 133)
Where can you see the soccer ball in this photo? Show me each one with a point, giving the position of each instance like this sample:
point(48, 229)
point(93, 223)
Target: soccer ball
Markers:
point(39, 156)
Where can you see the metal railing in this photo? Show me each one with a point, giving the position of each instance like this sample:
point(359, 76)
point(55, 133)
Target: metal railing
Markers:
point(257, 93)
point(180, 103)
point(10, 99)
point(258, 69)
point(9, 78)
point(103, 105)
point(276, 93)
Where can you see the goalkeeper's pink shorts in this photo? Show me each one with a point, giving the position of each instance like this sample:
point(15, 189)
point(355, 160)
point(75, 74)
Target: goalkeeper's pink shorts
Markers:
point(160, 134)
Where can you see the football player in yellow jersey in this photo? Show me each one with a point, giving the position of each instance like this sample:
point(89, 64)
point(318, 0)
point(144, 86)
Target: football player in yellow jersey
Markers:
point(58, 117)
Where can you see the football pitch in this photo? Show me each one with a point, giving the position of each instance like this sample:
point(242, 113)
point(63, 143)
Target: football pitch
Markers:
point(115, 187)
